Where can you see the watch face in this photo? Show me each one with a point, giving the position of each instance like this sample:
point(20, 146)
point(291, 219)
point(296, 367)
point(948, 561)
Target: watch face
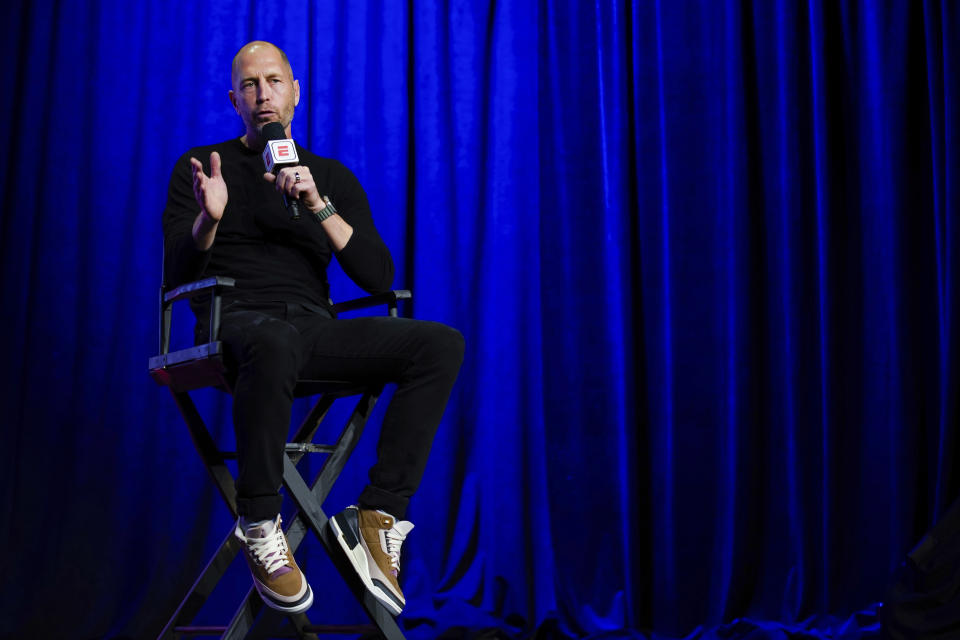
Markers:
point(329, 205)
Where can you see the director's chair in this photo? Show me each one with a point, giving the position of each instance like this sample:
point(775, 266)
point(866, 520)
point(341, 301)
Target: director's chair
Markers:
point(203, 366)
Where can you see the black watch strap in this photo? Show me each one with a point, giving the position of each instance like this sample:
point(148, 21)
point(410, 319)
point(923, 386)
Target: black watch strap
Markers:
point(327, 211)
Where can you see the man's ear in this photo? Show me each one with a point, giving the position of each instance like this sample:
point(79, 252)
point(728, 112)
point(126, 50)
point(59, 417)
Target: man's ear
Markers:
point(233, 101)
point(296, 92)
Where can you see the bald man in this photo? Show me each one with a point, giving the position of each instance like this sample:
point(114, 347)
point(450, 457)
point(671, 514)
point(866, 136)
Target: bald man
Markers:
point(224, 216)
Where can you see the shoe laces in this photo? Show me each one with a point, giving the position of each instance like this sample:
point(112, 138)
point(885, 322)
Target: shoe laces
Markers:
point(394, 538)
point(270, 551)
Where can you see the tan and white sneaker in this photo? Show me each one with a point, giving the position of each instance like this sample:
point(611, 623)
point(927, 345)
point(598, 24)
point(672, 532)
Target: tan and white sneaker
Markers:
point(372, 542)
point(276, 576)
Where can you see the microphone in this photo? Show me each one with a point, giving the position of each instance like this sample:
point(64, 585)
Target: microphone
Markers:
point(280, 152)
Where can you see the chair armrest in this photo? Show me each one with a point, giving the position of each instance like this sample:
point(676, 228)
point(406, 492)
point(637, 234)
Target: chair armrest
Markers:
point(191, 288)
point(388, 298)
point(213, 284)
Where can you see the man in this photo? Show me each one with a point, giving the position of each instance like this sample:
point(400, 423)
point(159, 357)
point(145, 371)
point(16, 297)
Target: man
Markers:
point(226, 217)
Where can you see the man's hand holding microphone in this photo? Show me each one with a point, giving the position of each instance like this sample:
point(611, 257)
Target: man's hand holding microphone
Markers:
point(293, 180)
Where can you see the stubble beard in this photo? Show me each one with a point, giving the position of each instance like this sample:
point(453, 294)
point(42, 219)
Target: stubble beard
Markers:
point(259, 140)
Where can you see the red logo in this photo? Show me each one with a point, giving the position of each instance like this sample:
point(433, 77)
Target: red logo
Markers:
point(279, 152)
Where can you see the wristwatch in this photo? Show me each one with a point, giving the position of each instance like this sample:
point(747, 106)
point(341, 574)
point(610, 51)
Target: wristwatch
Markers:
point(327, 211)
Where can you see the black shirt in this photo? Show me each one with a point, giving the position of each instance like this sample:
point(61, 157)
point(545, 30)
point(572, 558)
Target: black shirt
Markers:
point(272, 257)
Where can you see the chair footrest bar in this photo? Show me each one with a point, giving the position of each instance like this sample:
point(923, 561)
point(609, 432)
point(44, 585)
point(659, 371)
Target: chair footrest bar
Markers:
point(292, 447)
point(307, 447)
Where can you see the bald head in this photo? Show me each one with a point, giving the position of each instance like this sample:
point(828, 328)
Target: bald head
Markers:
point(263, 89)
point(254, 47)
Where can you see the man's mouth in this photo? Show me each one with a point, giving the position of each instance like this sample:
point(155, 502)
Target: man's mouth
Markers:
point(264, 115)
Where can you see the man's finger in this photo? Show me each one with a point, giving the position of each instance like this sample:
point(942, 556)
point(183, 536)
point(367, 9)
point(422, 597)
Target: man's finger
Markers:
point(300, 188)
point(214, 165)
point(269, 177)
point(196, 165)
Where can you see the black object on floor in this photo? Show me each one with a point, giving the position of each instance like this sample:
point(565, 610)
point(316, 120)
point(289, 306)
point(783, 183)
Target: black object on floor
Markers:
point(923, 601)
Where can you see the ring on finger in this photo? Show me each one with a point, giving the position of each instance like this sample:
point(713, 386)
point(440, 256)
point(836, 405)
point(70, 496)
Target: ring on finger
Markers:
point(296, 177)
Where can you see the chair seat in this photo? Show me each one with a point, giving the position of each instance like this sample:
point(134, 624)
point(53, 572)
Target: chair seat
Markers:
point(203, 366)
point(189, 369)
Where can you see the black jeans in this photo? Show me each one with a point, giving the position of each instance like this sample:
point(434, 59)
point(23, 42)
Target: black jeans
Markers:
point(273, 344)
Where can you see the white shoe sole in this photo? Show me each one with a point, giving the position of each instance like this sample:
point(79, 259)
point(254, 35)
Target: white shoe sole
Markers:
point(298, 607)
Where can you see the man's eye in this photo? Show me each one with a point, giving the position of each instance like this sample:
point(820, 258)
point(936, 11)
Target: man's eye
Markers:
point(275, 80)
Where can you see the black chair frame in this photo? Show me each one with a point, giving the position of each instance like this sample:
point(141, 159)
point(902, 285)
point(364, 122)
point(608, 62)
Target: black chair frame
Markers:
point(202, 366)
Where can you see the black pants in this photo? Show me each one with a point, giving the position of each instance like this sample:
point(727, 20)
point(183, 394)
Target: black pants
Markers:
point(273, 344)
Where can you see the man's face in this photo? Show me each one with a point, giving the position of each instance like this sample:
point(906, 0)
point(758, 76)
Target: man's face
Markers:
point(263, 90)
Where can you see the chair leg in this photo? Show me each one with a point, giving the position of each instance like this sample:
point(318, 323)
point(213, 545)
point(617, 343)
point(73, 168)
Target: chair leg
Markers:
point(214, 462)
point(213, 458)
point(244, 618)
point(349, 437)
point(202, 588)
point(253, 619)
point(317, 519)
point(300, 622)
point(311, 422)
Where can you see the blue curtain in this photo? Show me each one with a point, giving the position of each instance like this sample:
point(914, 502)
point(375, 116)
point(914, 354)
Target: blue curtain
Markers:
point(704, 255)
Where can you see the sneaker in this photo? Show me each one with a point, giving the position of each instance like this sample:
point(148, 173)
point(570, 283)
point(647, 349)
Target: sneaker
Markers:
point(372, 541)
point(278, 579)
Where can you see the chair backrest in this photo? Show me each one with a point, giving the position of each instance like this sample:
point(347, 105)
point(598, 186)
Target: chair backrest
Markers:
point(196, 366)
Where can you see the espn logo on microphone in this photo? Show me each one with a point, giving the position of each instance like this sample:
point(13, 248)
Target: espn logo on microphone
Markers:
point(280, 152)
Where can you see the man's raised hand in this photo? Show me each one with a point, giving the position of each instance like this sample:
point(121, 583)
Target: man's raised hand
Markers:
point(210, 191)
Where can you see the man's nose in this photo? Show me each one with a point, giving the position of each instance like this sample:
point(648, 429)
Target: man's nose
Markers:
point(264, 92)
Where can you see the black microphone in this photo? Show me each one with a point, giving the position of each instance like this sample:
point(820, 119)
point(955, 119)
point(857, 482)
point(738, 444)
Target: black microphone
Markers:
point(280, 152)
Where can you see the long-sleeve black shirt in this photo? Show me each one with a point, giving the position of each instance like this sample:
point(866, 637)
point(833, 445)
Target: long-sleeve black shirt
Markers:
point(272, 257)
